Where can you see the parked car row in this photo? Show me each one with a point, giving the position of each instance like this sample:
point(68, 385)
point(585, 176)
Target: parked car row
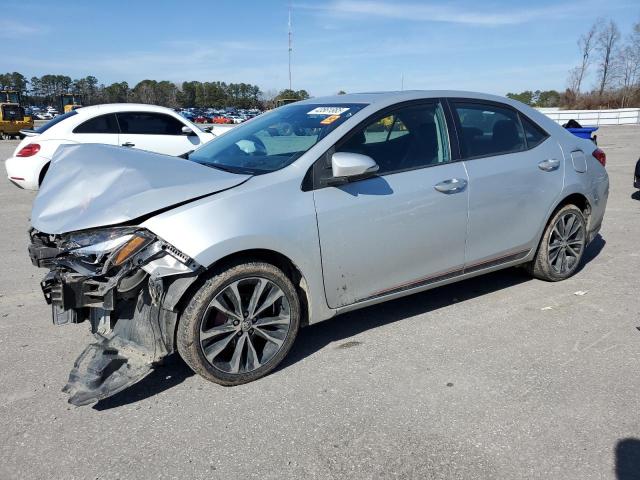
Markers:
point(42, 113)
point(225, 116)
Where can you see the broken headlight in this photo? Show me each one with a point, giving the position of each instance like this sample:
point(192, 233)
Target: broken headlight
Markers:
point(108, 246)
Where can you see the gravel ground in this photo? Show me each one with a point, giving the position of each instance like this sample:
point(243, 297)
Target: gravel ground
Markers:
point(496, 377)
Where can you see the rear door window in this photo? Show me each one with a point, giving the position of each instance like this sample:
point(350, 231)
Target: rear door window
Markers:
point(101, 124)
point(488, 129)
point(149, 123)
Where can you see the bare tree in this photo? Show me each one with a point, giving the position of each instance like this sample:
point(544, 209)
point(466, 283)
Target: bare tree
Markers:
point(628, 72)
point(628, 66)
point(586, 45)
point(606, 44)
point(634, 44)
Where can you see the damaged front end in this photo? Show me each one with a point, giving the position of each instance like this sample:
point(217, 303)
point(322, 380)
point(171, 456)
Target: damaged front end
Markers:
point(126, 282)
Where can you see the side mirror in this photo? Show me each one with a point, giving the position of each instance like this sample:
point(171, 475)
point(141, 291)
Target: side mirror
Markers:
point(347, 166)
point(187, 131)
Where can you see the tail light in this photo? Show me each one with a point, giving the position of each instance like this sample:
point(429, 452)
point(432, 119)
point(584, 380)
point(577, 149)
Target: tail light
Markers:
point(28, 150)
point(600, 156)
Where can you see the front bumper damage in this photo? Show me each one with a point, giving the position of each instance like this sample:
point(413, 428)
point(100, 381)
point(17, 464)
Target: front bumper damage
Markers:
point(132, 310)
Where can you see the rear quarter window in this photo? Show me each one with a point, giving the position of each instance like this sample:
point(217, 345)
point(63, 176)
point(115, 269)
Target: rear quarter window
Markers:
point(534, 134)
point(101, 124)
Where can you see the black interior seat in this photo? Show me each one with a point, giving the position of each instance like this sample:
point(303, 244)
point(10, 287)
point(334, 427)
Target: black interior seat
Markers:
point(505, 136)
point(471, 140)
point(423, 148)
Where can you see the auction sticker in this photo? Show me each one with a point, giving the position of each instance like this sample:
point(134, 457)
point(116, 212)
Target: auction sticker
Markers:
point(330, 119)
point(328, 111)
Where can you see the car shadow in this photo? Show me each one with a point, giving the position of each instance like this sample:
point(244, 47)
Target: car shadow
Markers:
point(318, 336)
point(592, 251)
point(636, 195)
point(628, 459)
point(173, 371)
point(313, 338)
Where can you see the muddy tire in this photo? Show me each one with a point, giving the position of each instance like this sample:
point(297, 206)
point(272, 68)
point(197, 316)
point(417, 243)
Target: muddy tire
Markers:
point(240, 324)
point(561, 247)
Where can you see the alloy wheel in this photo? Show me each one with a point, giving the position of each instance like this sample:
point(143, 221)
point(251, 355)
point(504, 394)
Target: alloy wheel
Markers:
point(566, 243)
point(245, 325)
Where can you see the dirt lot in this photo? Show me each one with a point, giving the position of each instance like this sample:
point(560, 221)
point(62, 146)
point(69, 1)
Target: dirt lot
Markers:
point(497, 377)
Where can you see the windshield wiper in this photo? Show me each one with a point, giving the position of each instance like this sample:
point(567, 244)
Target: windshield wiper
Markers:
point(186, 154)
point(219, 167)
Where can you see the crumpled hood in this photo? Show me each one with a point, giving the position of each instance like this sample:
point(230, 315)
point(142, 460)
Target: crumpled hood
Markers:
point(90, 185)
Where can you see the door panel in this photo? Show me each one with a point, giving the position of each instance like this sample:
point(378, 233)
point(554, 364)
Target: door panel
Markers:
point(390, 232)
point(105, 138)
point(509, 199)
point(167, 144)
point(515, 175)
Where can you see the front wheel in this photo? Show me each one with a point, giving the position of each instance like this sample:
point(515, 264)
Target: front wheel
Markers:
point(562, 246)
point(240, 324)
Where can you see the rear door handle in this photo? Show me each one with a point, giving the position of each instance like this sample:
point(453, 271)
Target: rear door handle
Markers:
point(452, 185)
point(549, 165)
point(128, 144)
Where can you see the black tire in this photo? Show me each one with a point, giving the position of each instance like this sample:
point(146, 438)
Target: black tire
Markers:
point(541, 267)
point(188, 333)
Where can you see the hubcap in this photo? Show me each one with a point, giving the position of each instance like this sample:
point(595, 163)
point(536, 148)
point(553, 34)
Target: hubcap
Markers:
point(566, 243)
point(245, 325)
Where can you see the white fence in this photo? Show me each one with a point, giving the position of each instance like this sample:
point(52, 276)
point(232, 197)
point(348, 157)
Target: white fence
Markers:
point(594, 118)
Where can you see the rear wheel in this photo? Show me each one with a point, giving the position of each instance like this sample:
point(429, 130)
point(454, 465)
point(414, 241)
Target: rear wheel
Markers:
point(562, 246)
point(240, 324)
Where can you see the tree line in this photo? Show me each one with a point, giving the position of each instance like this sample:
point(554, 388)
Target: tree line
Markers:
point(46, 90)
point(609, 60)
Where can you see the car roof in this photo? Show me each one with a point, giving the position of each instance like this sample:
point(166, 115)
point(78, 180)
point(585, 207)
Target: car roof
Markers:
point(379, 100)
point(121, 107)
point(398, 96)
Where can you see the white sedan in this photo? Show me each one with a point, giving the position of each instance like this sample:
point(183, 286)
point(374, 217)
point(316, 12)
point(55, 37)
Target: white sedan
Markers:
point(147, 127)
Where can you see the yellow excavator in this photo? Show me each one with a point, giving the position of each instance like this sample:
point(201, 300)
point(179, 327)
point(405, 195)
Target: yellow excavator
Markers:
point(70, 101)
point(12, 115)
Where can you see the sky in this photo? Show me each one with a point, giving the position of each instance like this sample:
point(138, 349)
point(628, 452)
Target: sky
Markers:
point(495, 46)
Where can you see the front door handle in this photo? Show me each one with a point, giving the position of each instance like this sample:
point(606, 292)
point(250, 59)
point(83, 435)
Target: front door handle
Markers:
point(128, 144)
point(452, 185)
point(549, 165)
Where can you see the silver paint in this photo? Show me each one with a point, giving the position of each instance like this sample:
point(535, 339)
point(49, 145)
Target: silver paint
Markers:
point(352, 241)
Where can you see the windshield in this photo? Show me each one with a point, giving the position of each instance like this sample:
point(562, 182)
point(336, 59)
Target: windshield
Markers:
point(51, 123)
point(10, 97)
point(275, 139)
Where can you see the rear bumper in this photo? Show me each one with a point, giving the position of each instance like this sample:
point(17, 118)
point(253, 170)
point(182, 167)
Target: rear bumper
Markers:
point(24, 172)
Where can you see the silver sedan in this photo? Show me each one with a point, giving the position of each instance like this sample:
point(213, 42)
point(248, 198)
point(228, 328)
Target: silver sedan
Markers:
point(305, 212)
